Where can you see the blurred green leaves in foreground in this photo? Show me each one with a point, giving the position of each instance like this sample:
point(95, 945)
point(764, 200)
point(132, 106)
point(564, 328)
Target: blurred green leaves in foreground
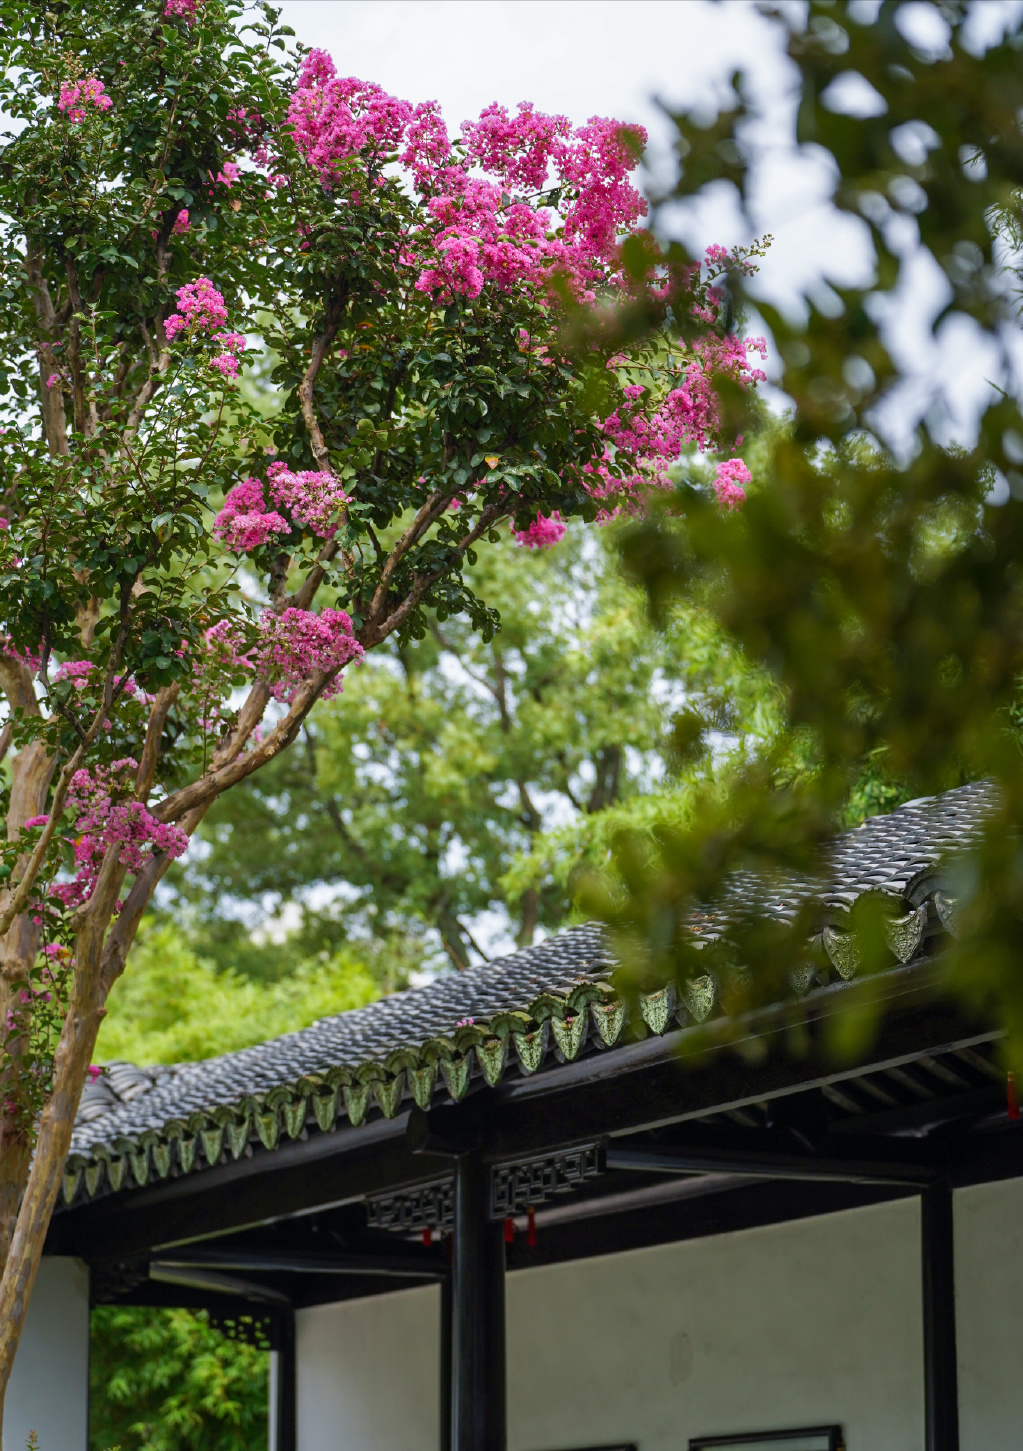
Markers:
point(875, 573)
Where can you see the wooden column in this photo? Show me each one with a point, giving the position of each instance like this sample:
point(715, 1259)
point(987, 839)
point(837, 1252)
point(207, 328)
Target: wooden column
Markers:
point(446, 1328)
point(285, 1428)
point(478, 1394)
point(941, 1374)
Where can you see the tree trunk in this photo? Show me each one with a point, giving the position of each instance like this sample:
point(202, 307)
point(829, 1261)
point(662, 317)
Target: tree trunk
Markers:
point(530, 911)
point(86, 1010)
point(32, 772)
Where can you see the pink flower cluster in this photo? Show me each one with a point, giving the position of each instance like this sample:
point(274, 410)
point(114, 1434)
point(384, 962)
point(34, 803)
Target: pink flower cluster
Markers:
point(244, 523)
point(74, 96)
point(334, 118)
point(183, 9)
point(204, 311)
point(542, 533)
point(311, 498)
point(690, 413)
point(479, 233)
point(730, 480)
point(107, 816)
point(295, 643)
point(181, 223)
point(84, 672)
point(8, 648)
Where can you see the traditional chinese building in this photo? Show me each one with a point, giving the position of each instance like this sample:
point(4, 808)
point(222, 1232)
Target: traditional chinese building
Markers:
point(492, 1211)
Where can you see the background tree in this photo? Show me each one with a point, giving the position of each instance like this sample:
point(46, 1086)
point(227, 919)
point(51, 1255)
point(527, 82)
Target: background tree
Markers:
point(175, 194)
point(165, 1380)
point(409, 796)
point(875, 580)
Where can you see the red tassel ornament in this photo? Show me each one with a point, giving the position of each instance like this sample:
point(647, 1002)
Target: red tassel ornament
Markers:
point(509, 1231)
point(428, 1236)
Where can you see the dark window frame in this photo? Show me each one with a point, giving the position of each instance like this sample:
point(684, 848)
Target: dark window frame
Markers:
point(753, 1439)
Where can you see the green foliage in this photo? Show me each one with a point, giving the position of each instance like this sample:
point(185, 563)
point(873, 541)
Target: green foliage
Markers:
point(880, 592)
point(447, 759)
point(163, 1380)
point(175, 1006)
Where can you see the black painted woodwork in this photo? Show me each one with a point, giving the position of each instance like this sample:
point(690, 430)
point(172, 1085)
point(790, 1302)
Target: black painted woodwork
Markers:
point(478, 1379)
point(941, 1373)
point(769, 1155)
point(445, 1330)
point(623, 1091)
point(286, 1428)
point(403, 1262)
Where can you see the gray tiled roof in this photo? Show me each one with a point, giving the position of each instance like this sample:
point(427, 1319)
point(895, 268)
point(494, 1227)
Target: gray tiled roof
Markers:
point(550, 997)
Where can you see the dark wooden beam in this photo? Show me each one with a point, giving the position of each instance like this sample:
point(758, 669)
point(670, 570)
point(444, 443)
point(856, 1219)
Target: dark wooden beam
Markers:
point(768, 1156)
point(941, 1388)
point(478, 1382)
point(405, 1262)
point(219, 1283)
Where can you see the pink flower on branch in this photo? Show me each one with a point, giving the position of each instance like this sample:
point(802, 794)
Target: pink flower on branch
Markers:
point(181, 9)
point(296, 643)
point(107, 815)
point(730, 481)
point(76, 95)
point(244, 523)
point(311, 498)
point(203, 309)
point(543, 533)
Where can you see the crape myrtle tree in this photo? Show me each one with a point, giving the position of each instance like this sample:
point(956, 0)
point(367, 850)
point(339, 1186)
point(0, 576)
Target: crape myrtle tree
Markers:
point(180, 580)
point(876, 575)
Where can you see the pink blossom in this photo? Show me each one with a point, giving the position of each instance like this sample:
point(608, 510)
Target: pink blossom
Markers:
point(543, 533)
point(427, 146)
point(296, 643)
point(226, 647)
point(37, 821)
point(244, 522)
point(4, 524)
point(730, 480)
point(517, 149)
point(334, 118)
point(23, 657)
point(106, 815)
point(94, 1070)
point(74, 96)
point(311, 498)
point(183, 9)
point(76, 670)
point(180, 223)
point(225, 363)
point(203, 309)
point(53, 380)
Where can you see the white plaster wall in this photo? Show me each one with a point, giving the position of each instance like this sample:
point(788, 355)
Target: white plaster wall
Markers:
point(989, 1314)
point(49, 1387)
point(803, 1323)
point(369, 1373)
